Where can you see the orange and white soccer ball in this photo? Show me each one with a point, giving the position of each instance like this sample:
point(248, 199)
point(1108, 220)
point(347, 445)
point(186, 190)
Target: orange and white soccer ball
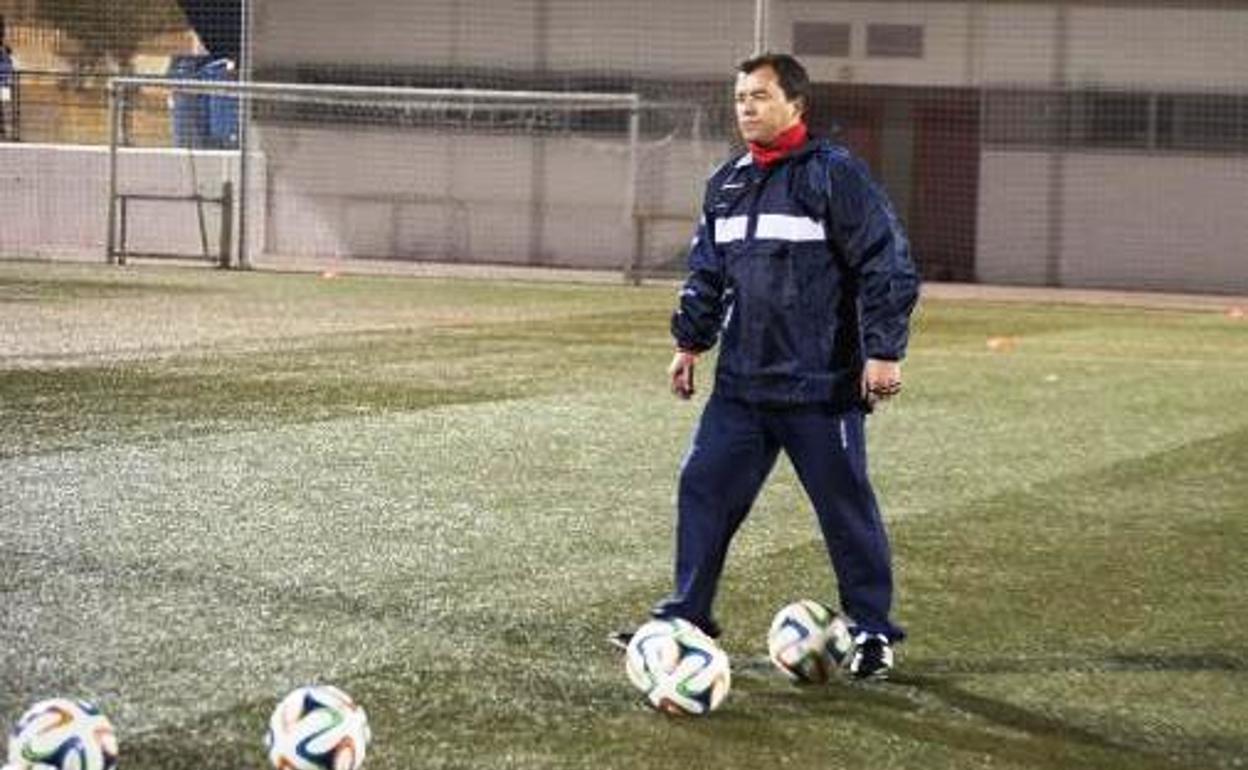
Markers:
point(317, 727)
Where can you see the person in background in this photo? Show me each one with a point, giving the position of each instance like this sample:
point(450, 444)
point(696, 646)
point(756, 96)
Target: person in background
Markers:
point(7, 74)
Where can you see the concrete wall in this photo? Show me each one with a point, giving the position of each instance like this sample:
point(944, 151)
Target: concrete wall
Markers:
point(965, 43)
point(1159, 47)
point(976, 43)
point(947, 30)
point(1123, 221)
point(54, 199)
point(647, 36)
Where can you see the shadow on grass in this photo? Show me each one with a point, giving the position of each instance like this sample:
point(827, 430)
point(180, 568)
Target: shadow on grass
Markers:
point(927, 703)
point(918, 672)
point(1189, 663)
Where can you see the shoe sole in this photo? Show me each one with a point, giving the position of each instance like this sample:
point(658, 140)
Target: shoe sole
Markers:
point(618, 642)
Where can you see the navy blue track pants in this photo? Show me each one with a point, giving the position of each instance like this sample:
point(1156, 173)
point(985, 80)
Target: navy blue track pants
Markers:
point(733, 450)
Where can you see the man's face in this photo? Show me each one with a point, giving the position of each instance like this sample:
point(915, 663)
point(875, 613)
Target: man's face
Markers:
point(763, 112)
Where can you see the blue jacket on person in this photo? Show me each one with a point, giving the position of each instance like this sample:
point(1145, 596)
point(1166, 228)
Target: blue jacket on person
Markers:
point(6, 66)
point(801, 271)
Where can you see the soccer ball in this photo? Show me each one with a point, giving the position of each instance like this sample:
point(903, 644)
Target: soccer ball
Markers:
point(678, 668)
point(62, 734)
point(807, 641)
point(317, 727)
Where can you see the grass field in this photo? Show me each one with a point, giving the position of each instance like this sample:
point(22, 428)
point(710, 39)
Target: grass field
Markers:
point(440, 495)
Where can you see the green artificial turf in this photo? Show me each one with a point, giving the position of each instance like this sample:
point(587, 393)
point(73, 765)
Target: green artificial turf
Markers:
point(440, 495)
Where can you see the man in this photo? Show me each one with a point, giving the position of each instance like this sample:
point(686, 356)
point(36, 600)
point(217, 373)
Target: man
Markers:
point(801, 271)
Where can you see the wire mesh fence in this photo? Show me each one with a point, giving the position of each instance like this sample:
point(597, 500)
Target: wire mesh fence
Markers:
point(1061, 143)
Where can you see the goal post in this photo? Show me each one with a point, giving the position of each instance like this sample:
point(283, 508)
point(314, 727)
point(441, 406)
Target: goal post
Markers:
point(341, 173)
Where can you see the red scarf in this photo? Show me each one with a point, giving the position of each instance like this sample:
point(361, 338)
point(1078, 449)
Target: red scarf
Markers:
point(785, 142)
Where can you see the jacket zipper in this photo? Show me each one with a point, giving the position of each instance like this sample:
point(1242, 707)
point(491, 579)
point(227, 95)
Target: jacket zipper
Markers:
point(756, 196)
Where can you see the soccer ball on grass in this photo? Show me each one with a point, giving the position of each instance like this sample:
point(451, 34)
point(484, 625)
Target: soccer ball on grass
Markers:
point(62, 734)
point(808, 642)
point(317, 727)
point(678, 668)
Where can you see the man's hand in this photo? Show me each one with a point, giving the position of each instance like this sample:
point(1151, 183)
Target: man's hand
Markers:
point(881, 380)
point(681, 373)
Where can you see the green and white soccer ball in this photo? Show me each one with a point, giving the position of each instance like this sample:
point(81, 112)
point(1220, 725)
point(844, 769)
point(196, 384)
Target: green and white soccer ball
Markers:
point(678, 668)
point(317, 727)
point(807, 641)
point(62, 734)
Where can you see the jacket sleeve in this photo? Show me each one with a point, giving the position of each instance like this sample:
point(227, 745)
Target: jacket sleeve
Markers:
point(864, 227)
point(696, 322)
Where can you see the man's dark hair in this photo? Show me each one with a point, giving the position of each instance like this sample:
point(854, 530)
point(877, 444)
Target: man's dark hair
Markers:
point(789, 71)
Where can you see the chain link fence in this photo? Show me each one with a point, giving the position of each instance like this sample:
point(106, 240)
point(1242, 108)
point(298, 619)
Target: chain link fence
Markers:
point(1051, 143)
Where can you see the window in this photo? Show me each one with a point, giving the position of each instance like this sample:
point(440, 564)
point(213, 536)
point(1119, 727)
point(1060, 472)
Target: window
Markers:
point(895, 41)
point(1023, 117)
point(1128, 120)
point(813, 38)
point(1112, 119)
point(1209, 122)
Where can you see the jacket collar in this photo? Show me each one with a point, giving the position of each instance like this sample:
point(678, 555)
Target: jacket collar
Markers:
point(812, 144)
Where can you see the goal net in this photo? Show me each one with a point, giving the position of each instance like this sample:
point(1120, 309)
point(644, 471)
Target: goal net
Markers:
point(330, 174)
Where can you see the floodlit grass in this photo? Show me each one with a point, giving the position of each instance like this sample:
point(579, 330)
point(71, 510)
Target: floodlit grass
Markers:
point(440, 495)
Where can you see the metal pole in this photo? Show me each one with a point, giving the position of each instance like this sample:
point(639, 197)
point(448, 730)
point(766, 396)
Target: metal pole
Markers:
point(1057, 150)
point(632, 271)
point(974, 21)
point(762, 9)
point(15, 107)
point(113, 111)
point(441, 97)
point(538, 167)
point(227, 225)
point(246, 70)
point(123, 234)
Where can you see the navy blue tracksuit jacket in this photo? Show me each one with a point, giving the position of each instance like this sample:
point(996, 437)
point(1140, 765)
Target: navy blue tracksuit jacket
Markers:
point(806, 269)
point(800, 271)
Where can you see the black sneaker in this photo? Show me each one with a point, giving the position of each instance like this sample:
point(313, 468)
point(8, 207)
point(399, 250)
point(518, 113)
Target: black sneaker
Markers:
point(872, 657)
point(620, 639)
